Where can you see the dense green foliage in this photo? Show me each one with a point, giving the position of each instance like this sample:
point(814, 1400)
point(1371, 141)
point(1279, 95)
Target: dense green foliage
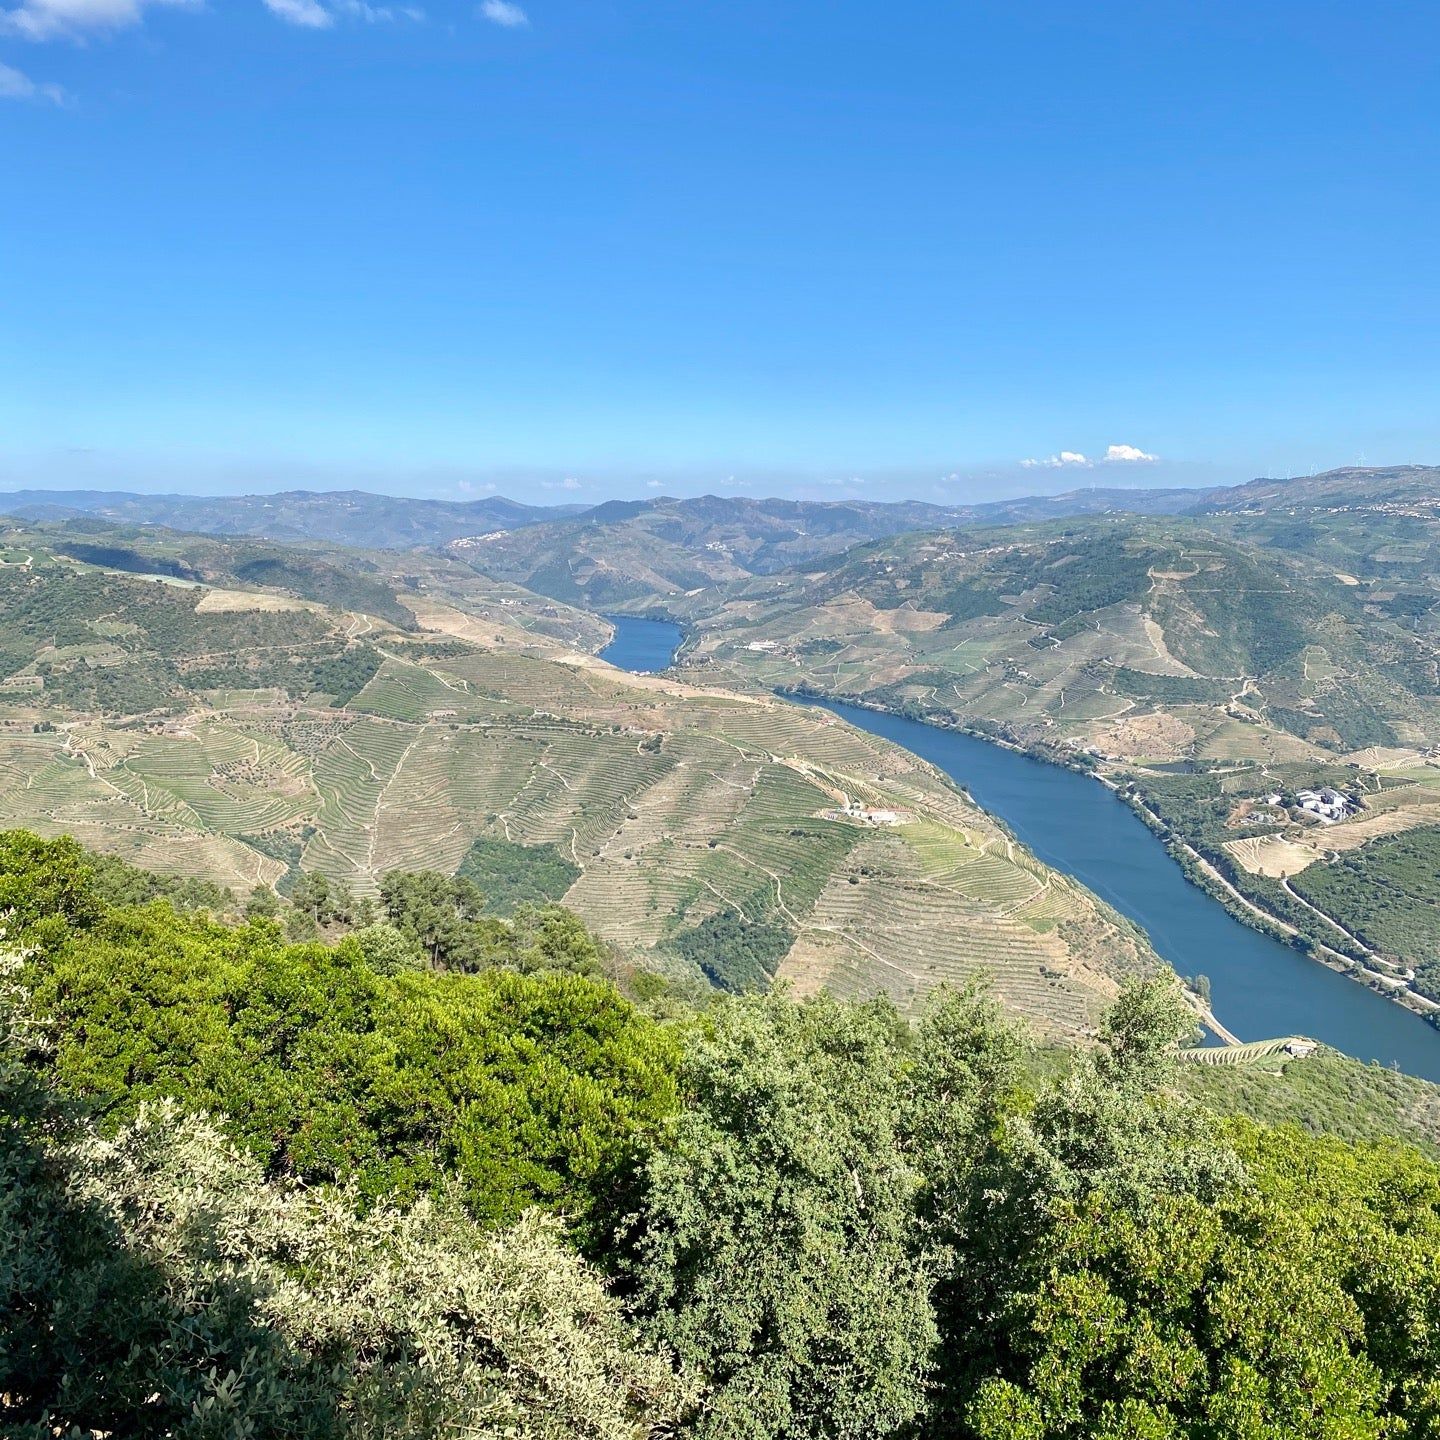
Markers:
point(1389, 893)
point(774, 1245)
point(520, 1089)
point(511, 875)
point(157, 1284)
point(734, 952)
point(817, 1220)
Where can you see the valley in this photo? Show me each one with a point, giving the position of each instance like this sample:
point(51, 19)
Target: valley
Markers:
point(1215, 658)
point(245, 738)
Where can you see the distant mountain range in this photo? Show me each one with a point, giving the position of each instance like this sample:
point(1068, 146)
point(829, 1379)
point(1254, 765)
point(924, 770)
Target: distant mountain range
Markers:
point(340, 517)
point(679, 543)
point(1365, 486)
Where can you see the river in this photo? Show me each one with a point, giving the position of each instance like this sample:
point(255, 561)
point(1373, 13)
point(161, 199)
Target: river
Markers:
point(1260, 988)
point(642, 646)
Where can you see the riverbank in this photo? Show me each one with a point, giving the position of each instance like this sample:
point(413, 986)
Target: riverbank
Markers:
point(1196, 868)
point(1258, 985)
point(1262, 983)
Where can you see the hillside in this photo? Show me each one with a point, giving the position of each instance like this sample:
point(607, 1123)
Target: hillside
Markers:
point(343, 517)
point(744, 529)
point(1355, 487)
point(629, 551)
point(626, 550)
point(1208, 673)
point(247, 736)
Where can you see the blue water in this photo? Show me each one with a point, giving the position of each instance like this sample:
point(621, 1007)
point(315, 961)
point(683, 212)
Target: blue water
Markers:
point(1260, 988)
point(642, 646)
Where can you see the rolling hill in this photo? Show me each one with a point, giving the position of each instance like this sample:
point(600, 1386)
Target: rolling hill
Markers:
point(245, 735)
point(625, 552)
point(1217, 680)
point(343, 517)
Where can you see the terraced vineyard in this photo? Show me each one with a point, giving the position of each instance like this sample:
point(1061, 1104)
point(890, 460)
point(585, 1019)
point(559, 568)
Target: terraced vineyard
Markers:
point(687, 812)
point(1215, 681)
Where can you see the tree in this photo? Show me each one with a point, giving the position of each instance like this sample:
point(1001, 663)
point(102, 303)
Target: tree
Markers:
point(46, 886)
point(549, 937)
point(519, 1090)
point(440, 912)
point(1372, 1214)
point(311, 896)
point(1122, 1279)
point(157, 1284)
point(772, 1246)
point(388, 950)
point(262, 903)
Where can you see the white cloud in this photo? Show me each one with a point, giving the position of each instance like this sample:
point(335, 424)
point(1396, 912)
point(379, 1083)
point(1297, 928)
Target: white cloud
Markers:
point(1114, 455)
point(568, 483)
point(1056, 462)
point(74, 19)
point(503, 12)
point(1127, 455)
point(307, 14)
point(654, 484)
point(15, 86)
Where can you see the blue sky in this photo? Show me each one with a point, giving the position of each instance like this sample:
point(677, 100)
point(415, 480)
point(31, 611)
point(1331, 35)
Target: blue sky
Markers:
point(576, 249)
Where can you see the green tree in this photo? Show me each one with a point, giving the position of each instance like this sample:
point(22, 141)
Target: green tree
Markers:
point(46, 886)
point(773, 1247)
point(1371, 1213)
point(157, 1283)
point(439, 911)
point(1121, 1278)
point(388, 950)
point(311, 896)
point(262, 903)
point(521, 1089)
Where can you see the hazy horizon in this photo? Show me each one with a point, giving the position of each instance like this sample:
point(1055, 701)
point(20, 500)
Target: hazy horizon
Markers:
point(587, 251)
point(545, 488)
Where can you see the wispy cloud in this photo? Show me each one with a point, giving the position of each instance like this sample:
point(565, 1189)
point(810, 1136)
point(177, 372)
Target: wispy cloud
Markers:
point(1056, 462)
point(1074, 459)
point(568, 483)
point(377, 14)
point(503, 12)
point(307, 14)
point(17, 86)
point(75, 19)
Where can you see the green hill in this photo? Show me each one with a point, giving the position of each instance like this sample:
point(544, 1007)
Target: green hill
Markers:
point(248, 737)
point(1218, 680)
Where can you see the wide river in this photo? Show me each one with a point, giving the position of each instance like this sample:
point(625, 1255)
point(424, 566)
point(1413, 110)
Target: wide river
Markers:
point(1260, 988)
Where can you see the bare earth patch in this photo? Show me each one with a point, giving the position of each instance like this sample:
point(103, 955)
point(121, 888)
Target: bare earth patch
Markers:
point(1272, 855)
point(1158, 735)
point(1278, 856)
point(216, 602)
point(1156, 636)
point(855, 614)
